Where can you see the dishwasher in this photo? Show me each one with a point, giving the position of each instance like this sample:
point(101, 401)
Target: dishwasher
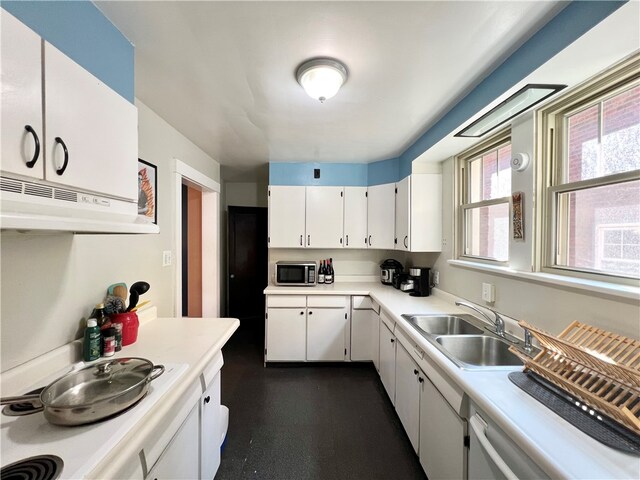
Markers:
point(493, 455)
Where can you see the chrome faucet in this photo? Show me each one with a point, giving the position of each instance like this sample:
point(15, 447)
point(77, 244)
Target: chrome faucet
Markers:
point(528, 346)
point(498, 322)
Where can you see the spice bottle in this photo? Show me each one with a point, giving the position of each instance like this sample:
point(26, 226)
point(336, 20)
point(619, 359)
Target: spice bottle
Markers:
point(91, 345)
point(108, 342)
point(118, 328)
point(100, 316)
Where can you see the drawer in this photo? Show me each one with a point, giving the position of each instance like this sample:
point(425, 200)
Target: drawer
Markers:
point(293, 301)
point(327, 301)
point(384, 316)
point(361, 302)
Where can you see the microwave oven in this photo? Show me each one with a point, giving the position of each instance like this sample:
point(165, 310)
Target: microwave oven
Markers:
point(298, 274)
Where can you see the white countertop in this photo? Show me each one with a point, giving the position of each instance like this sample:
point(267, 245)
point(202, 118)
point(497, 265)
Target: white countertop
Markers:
point(560, 449)
point(187, 346)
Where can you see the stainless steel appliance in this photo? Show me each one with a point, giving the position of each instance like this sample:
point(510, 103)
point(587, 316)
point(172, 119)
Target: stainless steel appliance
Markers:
point(407, 285)
point(296, 273)
point(421, 281)
point(388, 269)
point(398, 279)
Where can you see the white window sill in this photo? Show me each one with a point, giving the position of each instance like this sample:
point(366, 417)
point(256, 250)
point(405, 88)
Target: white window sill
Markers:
point(606, 288)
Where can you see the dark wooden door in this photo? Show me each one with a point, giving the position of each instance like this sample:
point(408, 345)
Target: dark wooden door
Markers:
point(247, 265)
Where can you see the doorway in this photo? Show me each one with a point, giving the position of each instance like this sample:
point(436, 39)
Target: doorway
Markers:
point(191, 252)
point(247, 267)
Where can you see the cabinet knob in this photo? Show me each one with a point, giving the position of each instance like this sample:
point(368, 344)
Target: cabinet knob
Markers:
point(310, 313)
point(207, 399)
point(300, 240)
point(420, 379)
point(347, 240)
point(393, 340)
point(308, 239)
point(406, 245)
point(301, 313)
point(36, 140)
point(61, 170)
point(369, 240)
point(415, 372)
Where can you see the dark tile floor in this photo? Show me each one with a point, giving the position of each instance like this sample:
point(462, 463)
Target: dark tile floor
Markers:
point(308, 422)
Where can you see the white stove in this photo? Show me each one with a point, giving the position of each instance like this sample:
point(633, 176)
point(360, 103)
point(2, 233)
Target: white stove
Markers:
point(82, 447)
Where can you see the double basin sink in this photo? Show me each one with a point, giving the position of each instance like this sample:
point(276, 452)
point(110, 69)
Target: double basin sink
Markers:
point(465, 341)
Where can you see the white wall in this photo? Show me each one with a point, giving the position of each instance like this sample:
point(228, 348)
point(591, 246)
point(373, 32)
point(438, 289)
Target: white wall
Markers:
point(550, 307)
point(50, 282)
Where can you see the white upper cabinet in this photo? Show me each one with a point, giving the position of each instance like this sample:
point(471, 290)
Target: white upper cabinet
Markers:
point(381, 212)
point(425, 212)
point(324, 217)
point(287, 217)
point(355, 217)
point(22, 128)
point(92, 132)
point(403, 227)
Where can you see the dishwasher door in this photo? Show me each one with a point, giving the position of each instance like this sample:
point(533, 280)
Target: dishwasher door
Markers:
point(493, 455)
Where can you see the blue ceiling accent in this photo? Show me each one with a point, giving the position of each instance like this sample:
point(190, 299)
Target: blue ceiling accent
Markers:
point(84, 34)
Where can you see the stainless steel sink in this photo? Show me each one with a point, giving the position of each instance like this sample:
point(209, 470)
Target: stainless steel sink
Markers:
point(478, 351)
point(443, 324)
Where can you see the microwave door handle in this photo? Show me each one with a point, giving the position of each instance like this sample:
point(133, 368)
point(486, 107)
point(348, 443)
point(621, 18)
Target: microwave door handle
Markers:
point(479, 427)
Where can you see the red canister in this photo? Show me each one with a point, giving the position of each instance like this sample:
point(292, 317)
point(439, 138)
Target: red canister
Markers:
point(130, 323)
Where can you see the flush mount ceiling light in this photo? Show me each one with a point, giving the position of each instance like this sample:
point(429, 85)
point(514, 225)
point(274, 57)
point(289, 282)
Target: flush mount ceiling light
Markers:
point(522, 100)
point(321, 78)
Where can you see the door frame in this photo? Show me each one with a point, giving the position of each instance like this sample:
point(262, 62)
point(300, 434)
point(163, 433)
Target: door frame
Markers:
point(185, 174)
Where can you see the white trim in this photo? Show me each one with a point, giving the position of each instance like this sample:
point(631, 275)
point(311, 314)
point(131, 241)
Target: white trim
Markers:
point(210, 189)
point(605, 288)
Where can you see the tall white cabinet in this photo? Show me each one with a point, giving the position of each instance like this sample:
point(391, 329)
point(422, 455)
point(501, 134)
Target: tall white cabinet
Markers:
point(355, 217)
point(324, 217)
point(22, 127)
point(287, 216)
point(418, 205)
point(381, 216)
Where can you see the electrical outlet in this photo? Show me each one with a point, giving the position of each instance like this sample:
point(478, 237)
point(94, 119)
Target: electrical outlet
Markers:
point(166, 258)
point(488, 292)
point(436, 277)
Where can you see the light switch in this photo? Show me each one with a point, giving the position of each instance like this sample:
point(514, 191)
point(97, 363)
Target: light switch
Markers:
point(488, 292)
point(166, 258)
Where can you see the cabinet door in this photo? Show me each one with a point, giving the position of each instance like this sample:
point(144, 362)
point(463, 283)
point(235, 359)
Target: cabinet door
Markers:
point(180, 459)
point(408, 394)
point(403, 232)
point(324, 207)
point(381, 208)
point(375, 339)
point(426, 213)
point(326, 334)
point(210, 429)
point(388, 361)
point(355, 217)
point(286, 334)
point(286, 217)
point(442, 451)
point(362, 327)
point(21, 84)
point(98, 127)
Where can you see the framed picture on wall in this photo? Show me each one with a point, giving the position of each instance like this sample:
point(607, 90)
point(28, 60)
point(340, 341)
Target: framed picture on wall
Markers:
point(147, 190)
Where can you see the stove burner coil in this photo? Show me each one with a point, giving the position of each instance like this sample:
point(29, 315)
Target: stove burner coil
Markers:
point(20, 409)
point(42, 467)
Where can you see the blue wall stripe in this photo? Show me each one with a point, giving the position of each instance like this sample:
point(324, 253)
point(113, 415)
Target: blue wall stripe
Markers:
point(82, 32)
point(384, 171)
point(563, 29)
point(331, 174)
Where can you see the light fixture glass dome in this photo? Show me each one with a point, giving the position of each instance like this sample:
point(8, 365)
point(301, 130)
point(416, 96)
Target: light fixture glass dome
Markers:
point(321, 78)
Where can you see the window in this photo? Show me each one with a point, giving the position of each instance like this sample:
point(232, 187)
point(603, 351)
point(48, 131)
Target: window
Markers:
point(593, 177)
point(485, 190)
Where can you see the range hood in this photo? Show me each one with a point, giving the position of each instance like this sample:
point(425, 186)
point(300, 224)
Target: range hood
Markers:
point(28, 205)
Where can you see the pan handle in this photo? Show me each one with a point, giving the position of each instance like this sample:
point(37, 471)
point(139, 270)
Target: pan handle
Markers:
point(156, 375)
point(33, 399)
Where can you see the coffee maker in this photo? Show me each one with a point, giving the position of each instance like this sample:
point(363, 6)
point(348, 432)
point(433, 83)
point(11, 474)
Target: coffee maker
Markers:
point(421, 281)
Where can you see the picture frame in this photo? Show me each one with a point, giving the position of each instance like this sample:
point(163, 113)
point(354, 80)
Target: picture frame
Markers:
point(148, 190)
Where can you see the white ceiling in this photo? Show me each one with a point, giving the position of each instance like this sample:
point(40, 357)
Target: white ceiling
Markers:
point(222, 73)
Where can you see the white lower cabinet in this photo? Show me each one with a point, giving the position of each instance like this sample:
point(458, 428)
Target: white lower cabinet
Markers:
point(364, 329)
point(442, 451)
point(180, 459)
point(286, 334)
point(210, 428)
point(388, 361)
point(375, 340)
point(326, 334)
point(408, 378)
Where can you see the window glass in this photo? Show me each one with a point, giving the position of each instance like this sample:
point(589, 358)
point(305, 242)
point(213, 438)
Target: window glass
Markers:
point(599, 229)
point(604, 138)
point(487, 232)
point(490, 175)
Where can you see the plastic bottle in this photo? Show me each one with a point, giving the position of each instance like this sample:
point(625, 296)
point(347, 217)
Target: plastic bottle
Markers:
point(92, 338)
point(108, 342)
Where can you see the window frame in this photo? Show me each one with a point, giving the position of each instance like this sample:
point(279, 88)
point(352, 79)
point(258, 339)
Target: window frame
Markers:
point(551, 123)
point(462, 160)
